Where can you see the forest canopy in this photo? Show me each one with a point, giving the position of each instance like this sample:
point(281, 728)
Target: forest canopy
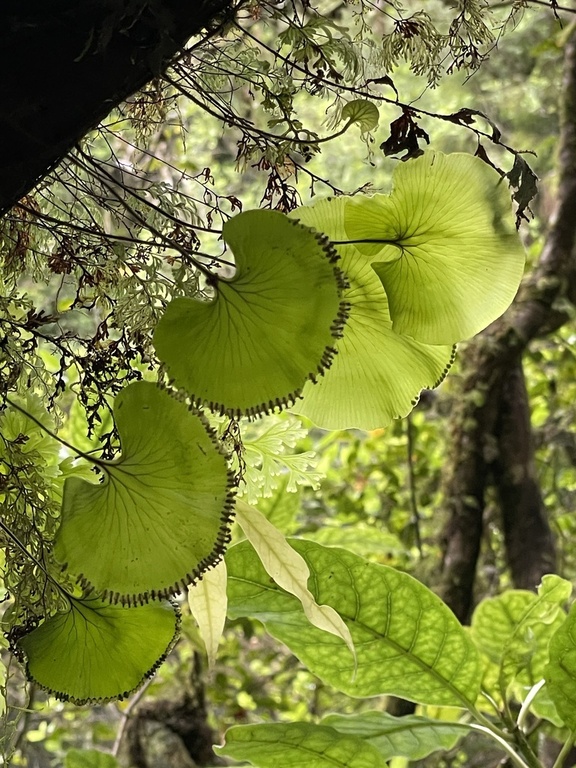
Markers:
point(240, 244)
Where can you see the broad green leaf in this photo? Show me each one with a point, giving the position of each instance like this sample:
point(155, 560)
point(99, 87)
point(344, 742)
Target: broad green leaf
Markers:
point(362, 112)
point(160, 517)
point(298, 745)
point(514, 628)
point(560, 673)
point(444, 245)
point(268, 329)
point(289, 570)
point(377, 374)
point(89, 758)
point(95, 651)
point(409, 736)
point(208, 604)
point(407, 642)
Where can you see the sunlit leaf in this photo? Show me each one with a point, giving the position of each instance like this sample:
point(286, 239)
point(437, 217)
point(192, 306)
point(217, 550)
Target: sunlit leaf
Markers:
point(95, 651)
point(160, 517)
point(408, 736)
point(289, 570)
point(408, 643)
point(514, 629)
point(268, 329)
point(362, 112)
point(298, 745)
point(560, 673)
point(444, 245)
point(377, 374)
point(208, 604)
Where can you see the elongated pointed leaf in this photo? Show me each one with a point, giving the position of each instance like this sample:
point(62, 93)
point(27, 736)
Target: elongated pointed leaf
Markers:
point(289, 570)
point(298, 745)
point(447, 251)
point(560, 673)
point(268, 330)
point(95, 652)
point(208, 603)
point(407, 642)
point(409, 736)
point(378, 373)
point(161, 516)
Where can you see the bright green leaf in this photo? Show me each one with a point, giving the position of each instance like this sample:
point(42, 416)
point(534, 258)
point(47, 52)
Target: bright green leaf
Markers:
point(377, 374)
point(268, 329)
point(298, 745)
point(161, 515)
point(95, 651)
point(208, 604)
point(444, 246)
point(89, 758)
point(560, 673)
point(513, 630)
point(409, 736)
point(289, 570)
point(408, 643)
point(362, 112)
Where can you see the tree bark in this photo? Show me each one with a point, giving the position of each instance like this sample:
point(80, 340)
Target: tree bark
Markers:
point(492, 441)
point(67, 63)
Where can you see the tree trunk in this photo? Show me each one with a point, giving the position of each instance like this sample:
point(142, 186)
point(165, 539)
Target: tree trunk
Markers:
point(67, 63)
point(492, 441)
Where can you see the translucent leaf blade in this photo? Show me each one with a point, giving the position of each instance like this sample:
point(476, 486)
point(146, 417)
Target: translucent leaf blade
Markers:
point(268, 330)
point(289, 570)
point(208, 604)
point(96, 651)
point(377, 374)
point(298, 745)
point(450, 259)
point(410, 736)
point(560, 673)
point(407, 641)
point(161, 516)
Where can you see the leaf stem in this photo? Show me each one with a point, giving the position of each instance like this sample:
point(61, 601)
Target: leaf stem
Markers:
point(525, 708)
point(568, 744)
point(516, 759)
point(61, 440)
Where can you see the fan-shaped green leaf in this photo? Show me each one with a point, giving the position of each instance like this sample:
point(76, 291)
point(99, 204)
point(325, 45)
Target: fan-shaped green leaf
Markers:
point(268, 329)
point(298, 745)
point(407, 641)
point(160, 517)
point(96, 652)
point(409, 736)
point(444, 246)
point(362, 112)
point(377, 374)
point(560, 673)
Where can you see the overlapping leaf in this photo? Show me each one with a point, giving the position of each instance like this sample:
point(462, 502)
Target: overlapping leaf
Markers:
point(95, 651)
point(377, 374)
point(407, 641)
point(443, 244)
point(268, 330)
point(560, 673)
point(298, 745)
point(160, 516)
point(409, 736)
